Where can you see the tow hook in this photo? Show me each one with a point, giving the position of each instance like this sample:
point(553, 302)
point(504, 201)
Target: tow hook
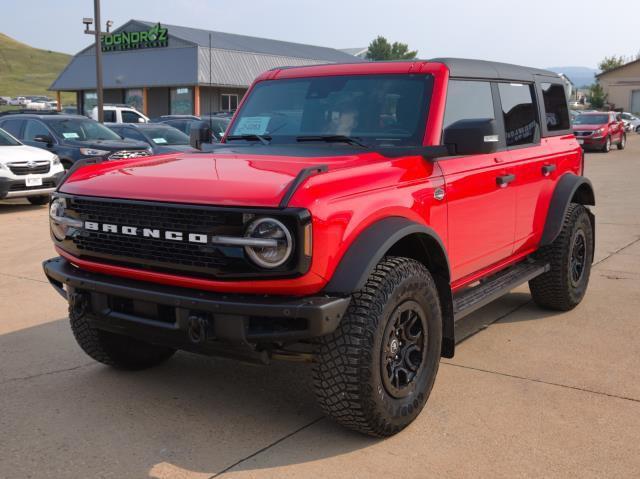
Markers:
point(79, 303)
point(197, 329)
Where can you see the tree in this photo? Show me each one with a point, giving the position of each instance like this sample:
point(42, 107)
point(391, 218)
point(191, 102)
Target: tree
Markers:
point(597, 96)
point(380, 49)
point(609, 63)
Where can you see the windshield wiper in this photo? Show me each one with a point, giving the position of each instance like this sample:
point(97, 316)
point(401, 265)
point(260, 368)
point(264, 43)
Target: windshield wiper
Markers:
point(333, 139)
point(264, 139)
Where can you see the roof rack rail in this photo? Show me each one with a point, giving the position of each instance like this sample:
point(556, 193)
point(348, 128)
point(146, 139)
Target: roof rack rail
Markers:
point(27, 111)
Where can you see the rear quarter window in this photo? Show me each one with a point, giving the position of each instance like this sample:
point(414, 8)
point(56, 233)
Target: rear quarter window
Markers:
point(555, 107)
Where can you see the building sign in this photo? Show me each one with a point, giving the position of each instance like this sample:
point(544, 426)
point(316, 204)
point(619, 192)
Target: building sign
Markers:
point(156, 37)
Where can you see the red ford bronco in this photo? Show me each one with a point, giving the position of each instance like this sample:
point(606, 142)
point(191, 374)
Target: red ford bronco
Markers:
point(352, 214)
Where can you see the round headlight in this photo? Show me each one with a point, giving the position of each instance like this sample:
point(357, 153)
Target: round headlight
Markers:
point(56, 211)
point(269, 229)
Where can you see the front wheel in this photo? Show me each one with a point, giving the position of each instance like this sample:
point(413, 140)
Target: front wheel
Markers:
point(569, 256)
point(623, 142)
point(120, 352)
point(607, 145)
point(374, 374)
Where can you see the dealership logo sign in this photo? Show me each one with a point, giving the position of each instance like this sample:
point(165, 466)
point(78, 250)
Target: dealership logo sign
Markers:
point(156, 37)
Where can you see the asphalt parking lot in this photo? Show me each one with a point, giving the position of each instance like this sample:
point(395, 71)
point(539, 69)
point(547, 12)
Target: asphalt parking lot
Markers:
point(530, 394)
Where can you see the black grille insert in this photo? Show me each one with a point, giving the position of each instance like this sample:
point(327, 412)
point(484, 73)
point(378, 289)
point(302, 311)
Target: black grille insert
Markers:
point(38, 168)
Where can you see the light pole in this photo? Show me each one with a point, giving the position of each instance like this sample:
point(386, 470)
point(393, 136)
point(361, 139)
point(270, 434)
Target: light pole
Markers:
point(98, 40)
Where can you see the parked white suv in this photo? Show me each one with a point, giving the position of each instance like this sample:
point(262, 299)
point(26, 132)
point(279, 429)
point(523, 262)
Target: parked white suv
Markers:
point(632, 121)
point(27, 172)
point(120, 114)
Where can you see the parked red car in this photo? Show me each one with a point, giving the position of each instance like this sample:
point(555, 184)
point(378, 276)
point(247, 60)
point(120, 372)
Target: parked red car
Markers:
point(599, 130)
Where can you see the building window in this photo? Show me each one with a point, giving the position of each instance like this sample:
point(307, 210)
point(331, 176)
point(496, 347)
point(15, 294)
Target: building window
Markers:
point(181, 101)
point(133, 97)
point(89, 101)
point(229, 102)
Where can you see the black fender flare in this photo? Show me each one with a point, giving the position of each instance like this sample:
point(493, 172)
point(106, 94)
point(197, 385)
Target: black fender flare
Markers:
point(370, 247)
point(569, 187)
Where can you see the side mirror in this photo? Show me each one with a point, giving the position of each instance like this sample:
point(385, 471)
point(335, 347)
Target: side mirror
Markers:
point(44, 139)
point(198, 136)
point(472, 137)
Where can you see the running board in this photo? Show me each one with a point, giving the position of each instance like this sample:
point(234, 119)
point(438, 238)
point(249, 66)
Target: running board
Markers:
point(474, 298)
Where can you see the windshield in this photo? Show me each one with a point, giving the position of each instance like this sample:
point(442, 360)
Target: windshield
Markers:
point(591, 119)
point(82, 130)
point(380, 110)
point(7, 140)
point(166, 136)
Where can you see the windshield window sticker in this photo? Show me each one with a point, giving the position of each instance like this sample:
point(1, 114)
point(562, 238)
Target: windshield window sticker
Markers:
point(71, 135)
point(160, 141)
point(252, 125)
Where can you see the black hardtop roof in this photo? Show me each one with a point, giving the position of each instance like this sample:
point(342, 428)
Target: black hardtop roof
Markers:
point(465, 68)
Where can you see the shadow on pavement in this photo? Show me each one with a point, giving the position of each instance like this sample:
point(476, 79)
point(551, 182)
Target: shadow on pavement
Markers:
point(18, 206)
point(191, 417)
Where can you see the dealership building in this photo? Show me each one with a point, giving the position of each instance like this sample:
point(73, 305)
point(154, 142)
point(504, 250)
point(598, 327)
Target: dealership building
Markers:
point(166, 69)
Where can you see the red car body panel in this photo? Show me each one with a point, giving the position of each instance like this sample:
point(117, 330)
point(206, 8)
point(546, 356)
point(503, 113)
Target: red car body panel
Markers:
point(483, 227)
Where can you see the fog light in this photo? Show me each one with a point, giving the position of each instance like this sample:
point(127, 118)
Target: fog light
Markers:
point(269, 229)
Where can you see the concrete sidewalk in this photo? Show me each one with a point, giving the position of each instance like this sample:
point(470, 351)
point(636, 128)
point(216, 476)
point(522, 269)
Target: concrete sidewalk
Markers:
point(529, 394)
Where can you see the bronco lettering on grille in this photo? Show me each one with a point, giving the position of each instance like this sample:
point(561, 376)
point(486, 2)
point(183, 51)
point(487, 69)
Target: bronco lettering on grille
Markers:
point(146, 232)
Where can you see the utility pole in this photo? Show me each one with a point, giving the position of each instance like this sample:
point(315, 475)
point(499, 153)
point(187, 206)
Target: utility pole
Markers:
point(96, 14)
point(98, 40)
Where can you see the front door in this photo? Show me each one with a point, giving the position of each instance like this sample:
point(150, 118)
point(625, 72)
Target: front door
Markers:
point(479, 193)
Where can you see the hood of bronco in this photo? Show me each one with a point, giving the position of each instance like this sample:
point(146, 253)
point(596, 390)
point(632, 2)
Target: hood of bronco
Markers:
point(227, 179)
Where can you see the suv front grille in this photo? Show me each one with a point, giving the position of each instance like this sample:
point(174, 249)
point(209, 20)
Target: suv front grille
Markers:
point(26, 168)
point(171, 256)
point(124, 154)
point(23, 187)
point(583, 133)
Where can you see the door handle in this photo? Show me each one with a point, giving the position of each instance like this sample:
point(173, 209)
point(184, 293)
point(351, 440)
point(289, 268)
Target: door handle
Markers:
point(547, 169)
point(504, 180)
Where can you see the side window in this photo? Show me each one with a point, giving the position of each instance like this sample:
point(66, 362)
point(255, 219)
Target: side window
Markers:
point(468, 100)
point(110, 116)
point(34, 128)
point(130, 116)
point(519, 111)
point(555, 107)
point(13, 127)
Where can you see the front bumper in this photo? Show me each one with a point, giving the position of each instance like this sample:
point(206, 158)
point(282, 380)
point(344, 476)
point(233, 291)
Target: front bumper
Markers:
point(591, 142)
point(16, 187)
point(167, 315)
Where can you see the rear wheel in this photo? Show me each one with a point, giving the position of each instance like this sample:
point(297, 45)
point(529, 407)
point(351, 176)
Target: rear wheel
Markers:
point(570, 255)
point(38, 200)
point(121, 352)
point(374, 374)
point(623, 142)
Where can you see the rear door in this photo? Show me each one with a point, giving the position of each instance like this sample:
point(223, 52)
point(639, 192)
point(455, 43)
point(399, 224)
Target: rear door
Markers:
point(529, 111)
point(481, 212)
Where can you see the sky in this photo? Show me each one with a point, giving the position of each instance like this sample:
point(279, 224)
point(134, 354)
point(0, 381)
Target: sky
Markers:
point(538, 33)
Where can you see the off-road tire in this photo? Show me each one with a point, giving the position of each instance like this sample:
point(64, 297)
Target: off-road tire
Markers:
point(623, 142)
point(347, 374)
point(606, 148)
point(120, 352)
point(556, 289)
point(38, 200)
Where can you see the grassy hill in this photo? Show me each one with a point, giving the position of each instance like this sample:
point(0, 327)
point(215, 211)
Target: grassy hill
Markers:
point(29, 71)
